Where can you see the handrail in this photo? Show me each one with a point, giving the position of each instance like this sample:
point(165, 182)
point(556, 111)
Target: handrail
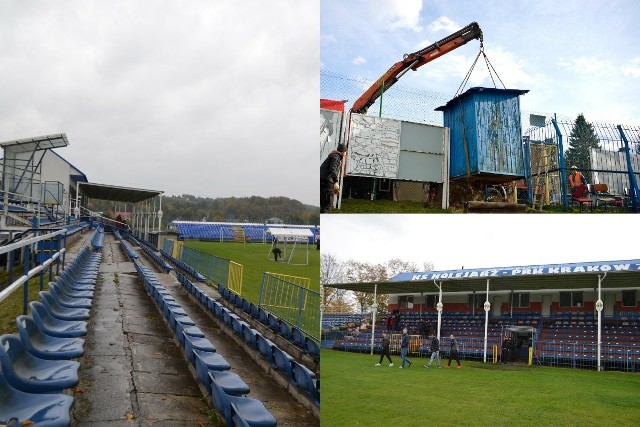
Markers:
point(22, 243)
point(15, 285)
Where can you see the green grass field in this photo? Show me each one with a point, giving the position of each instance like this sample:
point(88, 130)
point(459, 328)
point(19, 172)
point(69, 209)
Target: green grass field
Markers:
point(253, 257)
point(355, 393)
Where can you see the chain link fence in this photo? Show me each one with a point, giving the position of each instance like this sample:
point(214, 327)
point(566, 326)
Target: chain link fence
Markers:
point(210, 266)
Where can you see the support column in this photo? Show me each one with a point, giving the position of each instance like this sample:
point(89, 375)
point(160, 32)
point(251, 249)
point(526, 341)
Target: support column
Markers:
point(373, 316)
point(487, 307)
point(599, 307)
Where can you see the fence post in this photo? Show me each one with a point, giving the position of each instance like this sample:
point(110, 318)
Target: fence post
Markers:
point(563, 176)
point(300, 304)
point(25, 289)
point(527, 168)
point(633, 184)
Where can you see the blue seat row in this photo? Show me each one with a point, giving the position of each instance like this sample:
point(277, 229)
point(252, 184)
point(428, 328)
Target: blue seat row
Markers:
point(127, 247)
point(226, 388)
point(97, 240)
point(297, 373)
point(273, 322)
point(153, 255)
point(185, 267)
point(37, 364)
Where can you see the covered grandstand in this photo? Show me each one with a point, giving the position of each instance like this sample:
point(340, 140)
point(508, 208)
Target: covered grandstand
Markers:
point(578, 314)
point(231, 231)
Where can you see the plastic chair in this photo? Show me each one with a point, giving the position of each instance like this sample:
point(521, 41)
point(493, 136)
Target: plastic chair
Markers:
point(265, 347)
point(43, 410)
point(230, 383)
point(304, 378)
point(298, 337)
point(283, 361)
point(252, 411)
point(285, 331)
point(60, 312)
point(78, 300)
point(56, 327)
point(44, 346)
point(249, 336)
point(206, 362)
point(34, 375)
point(196, 343)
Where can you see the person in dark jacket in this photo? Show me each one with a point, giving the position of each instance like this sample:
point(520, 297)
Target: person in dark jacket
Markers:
point(385, 350)
point(453, 352)
point(435, 351)
point(404, 348)
point(329, 172)
point(506, 349)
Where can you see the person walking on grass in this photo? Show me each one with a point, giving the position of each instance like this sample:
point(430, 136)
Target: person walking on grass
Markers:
point(385, 350)
point(453, 352)
point(435, 351)
point(404, 348)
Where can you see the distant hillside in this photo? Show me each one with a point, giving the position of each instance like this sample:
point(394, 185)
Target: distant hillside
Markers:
point(232, 209)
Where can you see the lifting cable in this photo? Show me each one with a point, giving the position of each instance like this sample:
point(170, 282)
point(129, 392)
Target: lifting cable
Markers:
point(490, 68)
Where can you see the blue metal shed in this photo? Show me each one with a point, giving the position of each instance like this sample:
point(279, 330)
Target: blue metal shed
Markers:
point(486, 138)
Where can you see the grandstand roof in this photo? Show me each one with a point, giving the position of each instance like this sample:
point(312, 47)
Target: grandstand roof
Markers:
point(619, 274)
point(290, 232)
point(117, 194)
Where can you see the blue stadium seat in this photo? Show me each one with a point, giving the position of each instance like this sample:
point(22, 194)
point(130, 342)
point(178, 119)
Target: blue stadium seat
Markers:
point(274, 323)
point(250, 336)
point(253, 310)
point(251, 410)
point(285, 332)
point(60, 312)
point(298, 337)
point(201, 345)
point(77, 300)
point(56, 327)
point(31, 374)
point(230, 383)
point(45, 346)
point(263, 316)
point(207, 361)
point(265, 347)
point(192, 331)
point(305, 379)
point(283, 361)
point(313, 348)
point(19, 408)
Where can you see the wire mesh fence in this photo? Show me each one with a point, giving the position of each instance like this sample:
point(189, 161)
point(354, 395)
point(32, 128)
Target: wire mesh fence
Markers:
point(210, 266)
point(295, 304)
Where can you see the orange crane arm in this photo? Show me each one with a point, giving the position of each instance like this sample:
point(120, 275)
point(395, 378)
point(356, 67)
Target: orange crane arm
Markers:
point(414, 61)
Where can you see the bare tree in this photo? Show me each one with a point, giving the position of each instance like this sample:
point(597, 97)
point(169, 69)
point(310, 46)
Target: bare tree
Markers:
point(332, 271)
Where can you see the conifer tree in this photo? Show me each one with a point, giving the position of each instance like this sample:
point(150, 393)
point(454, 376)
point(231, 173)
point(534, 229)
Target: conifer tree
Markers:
point(582, 139)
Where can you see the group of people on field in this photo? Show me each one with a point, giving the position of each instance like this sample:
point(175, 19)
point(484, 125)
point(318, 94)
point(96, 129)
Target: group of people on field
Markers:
point(404, 350)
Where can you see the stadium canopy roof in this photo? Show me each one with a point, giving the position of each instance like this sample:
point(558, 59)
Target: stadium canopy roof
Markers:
point(619, 274)
point(117, 194)
point(290, 232)
point(36, 143)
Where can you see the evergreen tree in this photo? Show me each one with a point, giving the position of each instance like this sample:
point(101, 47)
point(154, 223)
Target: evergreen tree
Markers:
point(582, 139)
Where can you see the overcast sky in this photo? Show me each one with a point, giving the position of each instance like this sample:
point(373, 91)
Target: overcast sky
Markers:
point(451, 242)
point(211, 98)
point(574, 56)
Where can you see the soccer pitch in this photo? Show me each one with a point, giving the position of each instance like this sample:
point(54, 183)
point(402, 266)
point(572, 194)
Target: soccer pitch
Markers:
point(355, 393)
point(255, 261)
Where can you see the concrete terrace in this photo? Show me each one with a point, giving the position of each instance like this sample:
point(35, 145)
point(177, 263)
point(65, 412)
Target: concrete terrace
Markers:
point(134, 372)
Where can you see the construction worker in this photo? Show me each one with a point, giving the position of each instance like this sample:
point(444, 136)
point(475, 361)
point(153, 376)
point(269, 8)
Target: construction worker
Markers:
point(329, 172)
point(576, 180)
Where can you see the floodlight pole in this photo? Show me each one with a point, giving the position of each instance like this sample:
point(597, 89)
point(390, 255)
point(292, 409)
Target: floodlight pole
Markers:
point(599, 307)
point(439, 306)
point(487, 307)
point(375, 308)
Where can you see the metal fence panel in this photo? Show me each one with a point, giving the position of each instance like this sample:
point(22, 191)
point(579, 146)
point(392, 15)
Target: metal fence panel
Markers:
point(291, 302)
point(210, 266)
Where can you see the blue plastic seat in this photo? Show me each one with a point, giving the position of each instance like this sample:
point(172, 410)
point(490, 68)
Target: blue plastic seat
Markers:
point(274, 323)
point(304, 378)
point(283, 361)
point(249, 336)
point(207, 361)
point(298, 337)
point(230, 383)
point(285, 331)
point(71, 287)
point(192, 331)
point(45, 410)
point(253, 310)
point(265, 347)
point(67, 300)
point(60, 312)
point(56, 327)
point(312, 348)
point(44, 346)
point(31, 374)
point(263, 316)
point(196, 343)
point(251, 410)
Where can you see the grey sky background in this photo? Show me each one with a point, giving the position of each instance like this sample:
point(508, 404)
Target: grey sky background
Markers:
point(451, 242)
point(574, 56)
point(211, 98)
